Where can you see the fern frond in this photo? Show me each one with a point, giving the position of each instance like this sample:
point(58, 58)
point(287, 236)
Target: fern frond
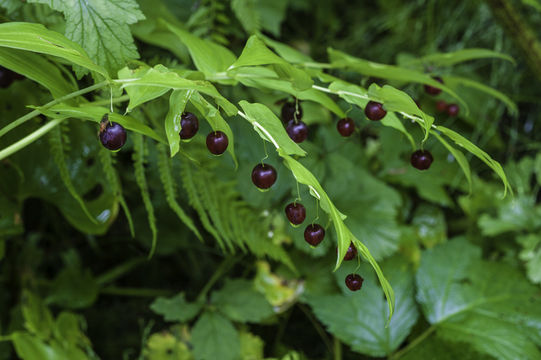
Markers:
point(57, 150)
point(166, 178)
point(114, 182)
point(140, 179)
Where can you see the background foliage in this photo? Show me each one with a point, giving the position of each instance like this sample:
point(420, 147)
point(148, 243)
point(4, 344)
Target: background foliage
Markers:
point(162, 252)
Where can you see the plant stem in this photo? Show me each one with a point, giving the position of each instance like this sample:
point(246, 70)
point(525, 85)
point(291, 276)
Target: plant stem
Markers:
point(119, 99)
point(419, 339)
point(27, 140)
point(118, 271)
point(223, 268)
point(135, 292)
point(337, 349)
point(36, 112)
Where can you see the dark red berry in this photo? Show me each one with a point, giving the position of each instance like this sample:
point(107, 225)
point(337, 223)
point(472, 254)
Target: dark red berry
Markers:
point(264, 176)
point(296, 213)
point(217, 142)
point(314, 234)
point(421, 159)
point(112, 135)
point(441, 106)
point(354, 282)
point(6, 77)
point(351, 253)
point(289, 110)
point(297, 131)
point(453, 109)
point(189, 124)
point(431, 90)
point(346, 127)
point(374, 111)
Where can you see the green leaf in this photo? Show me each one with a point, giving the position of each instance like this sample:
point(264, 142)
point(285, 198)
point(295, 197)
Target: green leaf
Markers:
point(215, 337)
point(360, 319)
point(215, 120)
point(176, 308)
point(488, 305)
point(96, 113)
point(239, 301)
point(207, 56)
point(101, 27)
point(383, 71)
point(177, 103)
point(246, 12)
point(38, 69)
point(139, 94)
point(168, 346)
point(270, 128)
point(255, 53)
point(73, 288)
point(139, 171)
point(455, 81)
point(29, 347)
point(285, 51)
point(36, 38)
point(160, 76)
point(272, 13)
point(38, 319)
point(531, 255)
point(456, 57)
point(459, 156)
point(483, 156)
point(251, 346)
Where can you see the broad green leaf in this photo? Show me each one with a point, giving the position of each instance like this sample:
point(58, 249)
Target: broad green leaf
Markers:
point(483, 156)
point(479, 302)
point(101, 27)
point(257, 53)
point(531, 255)
point(160, 76)
point(246, 12)
point(215, 120)
point(517, 214)
point(29, 347)
point(176, 308)
point(398, 101)
point(270, 128)
point(11, 5)
point(167, 346)
point(391, 72)
point(73, 288)
point(139, 94)
point(456, 57)
point(459, 157)
point(207, 56)
point(429, 225)
point(37, 317)
point(426, 349)
point(36, 38)
point(239, 301)
point(68, 328)
point(38, 69)
point(177, 103)
point(360, 319)
point(392, 121)
point(95, 113)
point(251, 346)
point(215, 337)
point(455, 81)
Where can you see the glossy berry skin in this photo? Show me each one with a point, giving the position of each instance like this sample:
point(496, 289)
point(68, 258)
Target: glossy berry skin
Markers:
point(217, 142)
point(374, 111)
point(441, 106)
point(113, 136)
point(345, 127)
point(421, 159)
point(431, 90)
point(351, 253)
point(189, 125)
point(288, 111)
point(295, 213)
point(314, 234)
point(264, 176)
point(354, 282)
point(297, 131)
point(453, 109)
